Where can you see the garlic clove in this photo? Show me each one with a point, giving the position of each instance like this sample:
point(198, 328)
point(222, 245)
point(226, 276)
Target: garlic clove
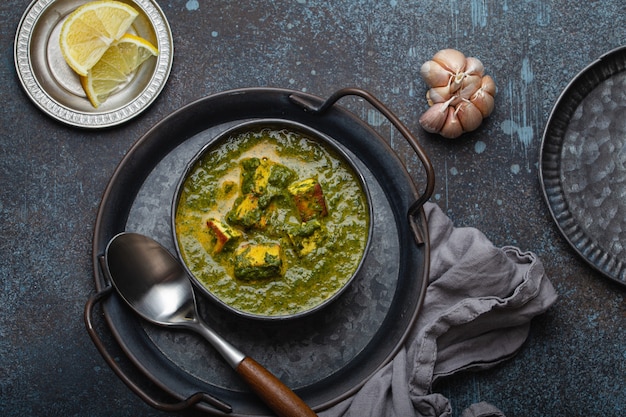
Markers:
point(483, 101)
point(451, 59)
point(483, 97)
point(471, 84)
point(488, 85)
point(452, 127)
point(438, 95)
point(469, 116)
point(433, 119)
point(434, 74)
point(456, 82)
point(473, 66)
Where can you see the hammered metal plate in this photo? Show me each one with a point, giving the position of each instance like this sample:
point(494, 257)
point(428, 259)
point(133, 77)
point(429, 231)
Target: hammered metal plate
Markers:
point(52, 85)
point(583, 164)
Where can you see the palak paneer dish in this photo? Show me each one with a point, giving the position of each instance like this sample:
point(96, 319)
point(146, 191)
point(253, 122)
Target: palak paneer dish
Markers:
point(271, 221)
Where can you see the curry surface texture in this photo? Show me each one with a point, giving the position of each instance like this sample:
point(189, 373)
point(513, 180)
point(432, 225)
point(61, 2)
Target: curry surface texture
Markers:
point(318, 256)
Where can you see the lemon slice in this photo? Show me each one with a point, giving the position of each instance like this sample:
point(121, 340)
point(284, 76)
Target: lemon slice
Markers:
point(134, 51)
point(91, 29)
point(115, 67)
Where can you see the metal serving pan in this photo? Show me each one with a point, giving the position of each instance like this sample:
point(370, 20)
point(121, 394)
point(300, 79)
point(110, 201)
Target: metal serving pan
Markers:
point(325, 357)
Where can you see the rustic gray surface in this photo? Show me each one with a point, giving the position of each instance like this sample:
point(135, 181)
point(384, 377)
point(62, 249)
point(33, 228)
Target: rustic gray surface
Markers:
point(53, 177)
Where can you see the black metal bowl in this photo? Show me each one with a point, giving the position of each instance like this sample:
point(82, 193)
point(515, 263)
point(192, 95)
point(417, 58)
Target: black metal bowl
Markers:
point(311, 302)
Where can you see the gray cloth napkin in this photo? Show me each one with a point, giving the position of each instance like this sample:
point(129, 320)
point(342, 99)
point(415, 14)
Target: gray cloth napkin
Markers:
point(476, 314)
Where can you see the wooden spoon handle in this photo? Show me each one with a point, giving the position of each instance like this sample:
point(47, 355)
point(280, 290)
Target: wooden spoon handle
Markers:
point(282, 400)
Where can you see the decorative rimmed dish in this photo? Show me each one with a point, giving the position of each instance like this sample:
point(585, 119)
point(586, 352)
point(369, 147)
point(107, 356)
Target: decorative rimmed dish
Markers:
point(319, 255)
point(583, 164)
point(53, 87)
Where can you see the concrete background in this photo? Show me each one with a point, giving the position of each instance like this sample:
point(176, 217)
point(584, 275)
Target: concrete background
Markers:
point(53, 176)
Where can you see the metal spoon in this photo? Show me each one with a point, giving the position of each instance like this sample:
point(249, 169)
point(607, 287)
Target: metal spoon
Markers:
point(156, 286)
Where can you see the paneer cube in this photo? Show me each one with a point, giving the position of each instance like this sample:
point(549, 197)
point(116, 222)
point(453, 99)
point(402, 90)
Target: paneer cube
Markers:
point(309, 199)
point(258, 261)
point(262, 176)
point(223, 234)
point(246, 211)
point(270, 179)
point(305, 237)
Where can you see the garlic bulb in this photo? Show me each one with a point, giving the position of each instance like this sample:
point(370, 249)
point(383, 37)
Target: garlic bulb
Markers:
point(460, 96)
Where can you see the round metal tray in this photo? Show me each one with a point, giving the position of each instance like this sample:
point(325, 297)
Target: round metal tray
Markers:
point(583, 164)
point(325, 357)
point(52, 85)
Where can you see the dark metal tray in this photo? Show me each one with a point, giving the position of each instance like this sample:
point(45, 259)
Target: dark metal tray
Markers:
point(325, 357)
point(583, 164)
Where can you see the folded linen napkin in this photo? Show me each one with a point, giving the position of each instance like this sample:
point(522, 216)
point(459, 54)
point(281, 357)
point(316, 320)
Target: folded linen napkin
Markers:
point(476, 314)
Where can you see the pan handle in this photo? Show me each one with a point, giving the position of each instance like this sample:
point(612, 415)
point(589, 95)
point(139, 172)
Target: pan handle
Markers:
point(417, 148)
point(146, 397)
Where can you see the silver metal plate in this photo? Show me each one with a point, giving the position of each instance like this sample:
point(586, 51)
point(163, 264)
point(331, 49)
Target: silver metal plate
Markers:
point(54, 87)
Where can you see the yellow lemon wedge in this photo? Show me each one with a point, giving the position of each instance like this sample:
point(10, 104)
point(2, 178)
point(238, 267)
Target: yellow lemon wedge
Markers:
point(89, 30)
point(115, 67)
point(134, 50)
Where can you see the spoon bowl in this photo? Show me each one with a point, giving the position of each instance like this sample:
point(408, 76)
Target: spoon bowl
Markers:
point(166, 298)
point(156, 286)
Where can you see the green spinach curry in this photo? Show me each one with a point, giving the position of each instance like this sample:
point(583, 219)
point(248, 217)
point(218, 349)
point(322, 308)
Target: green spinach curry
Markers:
point(272, 222)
